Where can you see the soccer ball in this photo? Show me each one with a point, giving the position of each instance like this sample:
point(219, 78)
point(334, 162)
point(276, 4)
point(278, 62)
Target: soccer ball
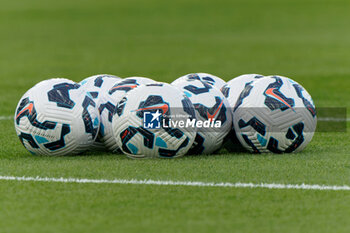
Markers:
point(233, 88)
point(107, 106)
point(97, 86)
point(56, 117)
point(276, 115)
point(204, 77)
point(150, 122)
point(211, 106)
point(231, 91)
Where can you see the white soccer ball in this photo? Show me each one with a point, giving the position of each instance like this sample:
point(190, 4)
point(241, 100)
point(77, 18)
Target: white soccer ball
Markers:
point(211, 106)
point(275, 114)
point(97, 86)
point(233, 88)
point(107, 106)
point(56, 117)
point(204, 77)
point(140, 79)
point(150, 121)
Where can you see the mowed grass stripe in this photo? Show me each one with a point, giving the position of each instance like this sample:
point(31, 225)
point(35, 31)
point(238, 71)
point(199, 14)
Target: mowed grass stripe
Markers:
point(178, 183)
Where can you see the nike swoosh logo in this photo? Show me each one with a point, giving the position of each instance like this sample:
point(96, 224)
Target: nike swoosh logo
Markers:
point(270, 93)
point(29, 108)
point(163, 107)
point(130, 86)
point(212, 116)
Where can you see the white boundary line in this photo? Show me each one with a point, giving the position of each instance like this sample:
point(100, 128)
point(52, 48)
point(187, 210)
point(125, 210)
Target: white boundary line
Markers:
point(179, 183)
point(2, 118)
point(333, 119)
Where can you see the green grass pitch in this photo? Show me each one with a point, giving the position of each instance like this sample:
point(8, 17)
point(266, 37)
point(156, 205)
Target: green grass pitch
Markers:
point(306, 40)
